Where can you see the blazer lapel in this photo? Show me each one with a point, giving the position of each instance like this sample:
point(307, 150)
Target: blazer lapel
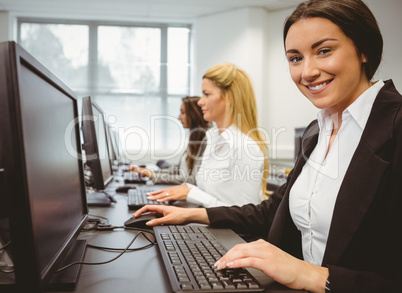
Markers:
point(364, 175)
point(309, 141)
point(283, 232)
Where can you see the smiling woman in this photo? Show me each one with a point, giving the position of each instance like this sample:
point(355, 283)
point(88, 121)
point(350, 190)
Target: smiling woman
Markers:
point(334, 226)
point(325, 64)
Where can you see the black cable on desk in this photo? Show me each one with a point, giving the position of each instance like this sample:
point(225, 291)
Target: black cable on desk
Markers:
point(108, 261)
point(94, 221)
point(96, 218)
point(152, 242)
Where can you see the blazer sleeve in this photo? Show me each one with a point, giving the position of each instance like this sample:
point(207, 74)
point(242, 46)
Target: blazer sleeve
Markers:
point(347, 280)
point(253, 221)
point(379, 268)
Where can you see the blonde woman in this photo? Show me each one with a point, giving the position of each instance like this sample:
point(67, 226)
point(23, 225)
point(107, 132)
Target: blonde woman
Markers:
point(234, 165)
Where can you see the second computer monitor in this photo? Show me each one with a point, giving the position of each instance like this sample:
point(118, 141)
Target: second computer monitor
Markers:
point(96, 144)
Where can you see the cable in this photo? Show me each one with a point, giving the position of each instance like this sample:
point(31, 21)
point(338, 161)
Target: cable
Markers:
point(143, 230)
point(94, 221)
point(117, 249)
point(111, 198)
point(153, 242)
point(108, 261)
point(97, 219)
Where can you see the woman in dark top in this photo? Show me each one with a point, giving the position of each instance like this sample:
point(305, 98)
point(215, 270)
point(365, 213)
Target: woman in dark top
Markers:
point(184, 172)
point(335, 225)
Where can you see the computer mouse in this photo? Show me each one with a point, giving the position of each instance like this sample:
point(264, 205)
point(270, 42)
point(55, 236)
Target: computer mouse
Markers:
point(125, 188)
point(140, 221)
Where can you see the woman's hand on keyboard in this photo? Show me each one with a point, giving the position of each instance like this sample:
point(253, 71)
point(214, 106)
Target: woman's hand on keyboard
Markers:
point(173, 193)
point(174, 215)
point(277, 264)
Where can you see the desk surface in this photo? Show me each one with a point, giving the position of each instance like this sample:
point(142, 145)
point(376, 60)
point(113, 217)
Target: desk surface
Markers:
point(140, 271)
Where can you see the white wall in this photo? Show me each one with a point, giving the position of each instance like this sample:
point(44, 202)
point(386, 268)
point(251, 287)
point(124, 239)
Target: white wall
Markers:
point(388, 14)
point(237, 36)
point(4, 26)
point(285, 107)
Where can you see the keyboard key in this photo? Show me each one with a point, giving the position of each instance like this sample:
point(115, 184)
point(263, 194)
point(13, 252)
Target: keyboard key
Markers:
point(186, 287)
point(137, 198)
point(216, 285)
point(190, 252)
point(227, 284)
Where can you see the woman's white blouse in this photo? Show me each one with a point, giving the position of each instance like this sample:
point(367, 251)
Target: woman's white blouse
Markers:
point(183, 164)
point(231, 170)
point(313, 195)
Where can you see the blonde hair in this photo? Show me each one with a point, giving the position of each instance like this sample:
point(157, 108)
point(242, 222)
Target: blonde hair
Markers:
point(238, 91)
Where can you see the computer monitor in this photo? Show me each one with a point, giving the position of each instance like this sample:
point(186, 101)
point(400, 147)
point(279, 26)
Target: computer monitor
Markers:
point(120, 149)
point(42, 187)
point(117, 146)
point(111, 145)
point(298, 140)
point(94, 131)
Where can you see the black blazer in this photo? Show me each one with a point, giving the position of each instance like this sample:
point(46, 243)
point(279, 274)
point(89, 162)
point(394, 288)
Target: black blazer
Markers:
point(364, 247)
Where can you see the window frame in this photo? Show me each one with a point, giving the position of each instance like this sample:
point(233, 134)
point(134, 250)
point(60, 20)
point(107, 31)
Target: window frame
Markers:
point(93, 25)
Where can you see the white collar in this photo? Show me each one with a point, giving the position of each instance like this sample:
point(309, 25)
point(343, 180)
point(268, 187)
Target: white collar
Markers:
point(359, 110)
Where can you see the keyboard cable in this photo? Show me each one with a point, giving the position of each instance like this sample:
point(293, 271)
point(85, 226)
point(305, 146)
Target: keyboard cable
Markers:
point(113, 259)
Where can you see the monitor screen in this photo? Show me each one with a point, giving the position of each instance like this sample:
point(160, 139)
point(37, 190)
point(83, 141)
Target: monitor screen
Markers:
point(117, 145)
point(110, 140)
point(96, 144)
point(298, 140)
point(43, 176)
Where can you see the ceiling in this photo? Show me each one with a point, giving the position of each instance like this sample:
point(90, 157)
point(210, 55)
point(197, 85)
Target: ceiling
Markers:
point(178, 10)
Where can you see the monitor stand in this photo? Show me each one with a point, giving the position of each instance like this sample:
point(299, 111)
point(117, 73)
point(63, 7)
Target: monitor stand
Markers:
point(66, 280)
point(100, 199)
point(7, 277)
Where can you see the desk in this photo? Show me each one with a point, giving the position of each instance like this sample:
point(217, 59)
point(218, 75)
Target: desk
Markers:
point(140, 271)
point(278, 173)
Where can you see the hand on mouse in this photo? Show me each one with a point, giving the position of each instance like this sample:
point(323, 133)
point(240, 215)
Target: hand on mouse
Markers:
point(174, 215)
point(173, 193)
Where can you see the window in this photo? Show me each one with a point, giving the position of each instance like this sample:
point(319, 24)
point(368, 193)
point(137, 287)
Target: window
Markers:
point(136, 73)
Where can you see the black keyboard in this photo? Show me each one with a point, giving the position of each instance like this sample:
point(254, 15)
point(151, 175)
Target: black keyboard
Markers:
point(189, 254)
point(137, 198)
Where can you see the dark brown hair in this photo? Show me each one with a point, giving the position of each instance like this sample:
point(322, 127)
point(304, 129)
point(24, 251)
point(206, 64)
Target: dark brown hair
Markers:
point(356, 21)
point(197, 125)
